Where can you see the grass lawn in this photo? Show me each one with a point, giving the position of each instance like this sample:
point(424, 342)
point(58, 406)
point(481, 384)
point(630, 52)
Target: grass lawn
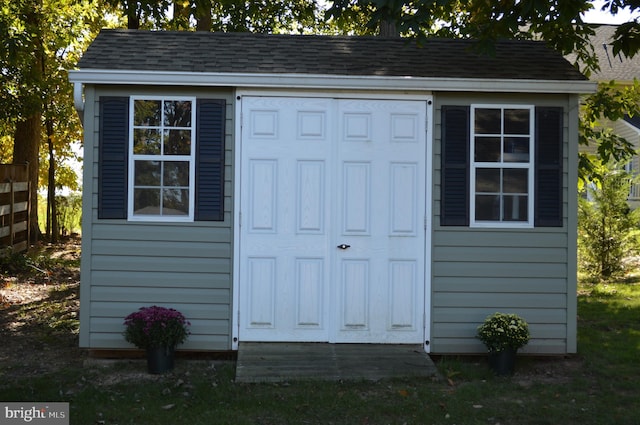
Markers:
point(600, 385)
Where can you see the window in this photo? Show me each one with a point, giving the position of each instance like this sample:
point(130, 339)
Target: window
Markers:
point(502, 166)
point(546, 151)
point(116, 157)
point(162, 160)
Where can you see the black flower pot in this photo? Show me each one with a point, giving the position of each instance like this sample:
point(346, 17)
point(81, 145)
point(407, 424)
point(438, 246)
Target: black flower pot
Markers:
point(503, 362)
point(160, 359)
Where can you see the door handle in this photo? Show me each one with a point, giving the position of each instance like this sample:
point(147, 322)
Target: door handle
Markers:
point(344, 246)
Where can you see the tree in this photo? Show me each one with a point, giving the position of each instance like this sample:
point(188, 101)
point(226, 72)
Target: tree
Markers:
point(41, 40)
point(20, 98)
point(274, 16)
point(557, 22)
point(608, 228)
point(611, 103)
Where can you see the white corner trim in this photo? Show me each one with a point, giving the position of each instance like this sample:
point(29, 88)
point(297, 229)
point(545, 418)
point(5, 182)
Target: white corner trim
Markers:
point(334, 82)
point(78, 100)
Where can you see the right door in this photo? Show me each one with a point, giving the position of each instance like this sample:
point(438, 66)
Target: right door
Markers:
point(379, 217)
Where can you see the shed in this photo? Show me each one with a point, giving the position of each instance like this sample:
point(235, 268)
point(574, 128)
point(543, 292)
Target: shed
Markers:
point(329, 189)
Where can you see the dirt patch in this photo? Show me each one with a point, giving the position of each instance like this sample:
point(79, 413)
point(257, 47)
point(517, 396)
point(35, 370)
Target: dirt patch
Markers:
point(39, 309)
point(548, 370)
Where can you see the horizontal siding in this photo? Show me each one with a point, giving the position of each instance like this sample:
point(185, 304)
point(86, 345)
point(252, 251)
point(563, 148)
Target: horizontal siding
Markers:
point(210, 341)
point(160, 295)
point(555, 331)
point(497, 254)
point(109, 309)
point(168, 264)
point(118, 230)
point(159, 279)
point(127, 265)
point(478, 314)
point(501, 269)
point(480, 284)
point(497, 300)
point(478, 271)
point(469, 346)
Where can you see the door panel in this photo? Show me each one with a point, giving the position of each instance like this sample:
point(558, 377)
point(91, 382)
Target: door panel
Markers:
point(382, 155)
point(316, 174)
point(285, 151)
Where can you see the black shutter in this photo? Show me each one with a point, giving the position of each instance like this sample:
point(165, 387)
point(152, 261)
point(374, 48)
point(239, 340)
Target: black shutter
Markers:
point(454, 205)
point(210, 121)
point(112, 165)
point(548, 184)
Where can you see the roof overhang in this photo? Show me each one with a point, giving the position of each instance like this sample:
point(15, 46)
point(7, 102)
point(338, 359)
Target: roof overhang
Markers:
point(335, 82)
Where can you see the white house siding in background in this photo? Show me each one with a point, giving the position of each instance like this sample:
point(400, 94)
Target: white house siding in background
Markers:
point(531, 272)
point(126, 265)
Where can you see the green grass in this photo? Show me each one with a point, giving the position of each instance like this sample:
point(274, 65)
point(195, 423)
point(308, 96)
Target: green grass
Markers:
point(598, 386)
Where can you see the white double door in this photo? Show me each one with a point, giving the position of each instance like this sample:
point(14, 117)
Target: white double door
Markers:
point(332, 236)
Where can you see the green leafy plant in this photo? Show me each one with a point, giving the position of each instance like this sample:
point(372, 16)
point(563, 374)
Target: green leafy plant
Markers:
point(155, 327)
point(607, 227)
point(501, 331)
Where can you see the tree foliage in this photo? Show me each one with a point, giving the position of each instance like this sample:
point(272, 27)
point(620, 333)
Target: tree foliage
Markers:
point(610, 103)
point(608, 228)
point(263, 16)
point(558, 22)
point(41, 40)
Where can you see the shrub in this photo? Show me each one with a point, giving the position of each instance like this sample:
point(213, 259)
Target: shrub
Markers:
point(501, 331)
point(607, 227)
point(156, 327)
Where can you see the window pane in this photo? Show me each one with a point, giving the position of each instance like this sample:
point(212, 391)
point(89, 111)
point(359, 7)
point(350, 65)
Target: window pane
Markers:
point(146, 112)
point(516, 149)
point(177, 113)
point(146, 141)
point(488, 207)
point(147, 173)
point(515, 180)
point(516, 121)
point(175, 202)
point(487, 149)
point(515, 208)
point(176, 173)
point(488, 121)
point(488, 180)
point(146, 201)
point(177, 142)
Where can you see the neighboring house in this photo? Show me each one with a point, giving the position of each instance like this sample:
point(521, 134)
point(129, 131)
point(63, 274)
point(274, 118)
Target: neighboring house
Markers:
point(623, 71)
point(330, 189)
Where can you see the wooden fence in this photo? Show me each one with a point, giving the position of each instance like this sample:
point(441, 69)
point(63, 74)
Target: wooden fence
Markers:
point(14, 207)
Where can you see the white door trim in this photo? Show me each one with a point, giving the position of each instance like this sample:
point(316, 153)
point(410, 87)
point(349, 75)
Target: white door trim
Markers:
point(237, 219)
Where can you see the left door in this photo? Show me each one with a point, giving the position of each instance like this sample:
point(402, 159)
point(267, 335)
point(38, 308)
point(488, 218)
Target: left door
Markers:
point(284, 239)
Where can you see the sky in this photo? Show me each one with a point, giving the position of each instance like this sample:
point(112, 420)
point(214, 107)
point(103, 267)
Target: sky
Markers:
point(595, 16)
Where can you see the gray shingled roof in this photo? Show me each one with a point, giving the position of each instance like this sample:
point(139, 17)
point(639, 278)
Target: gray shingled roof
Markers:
point(618, 67)
point(314, 54)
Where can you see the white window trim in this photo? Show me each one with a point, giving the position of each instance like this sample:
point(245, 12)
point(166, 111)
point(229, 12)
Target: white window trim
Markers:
point(530, 166)
point(191, 158)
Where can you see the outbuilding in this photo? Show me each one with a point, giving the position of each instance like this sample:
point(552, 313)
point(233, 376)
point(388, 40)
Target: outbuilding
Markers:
point(328, 189)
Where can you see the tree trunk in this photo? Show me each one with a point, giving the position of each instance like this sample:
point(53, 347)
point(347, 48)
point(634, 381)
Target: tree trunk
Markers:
point(133, 20)
point(388, 28)
point(26, 143)
point(52, 213)
point(181, 15)
point(203, 15)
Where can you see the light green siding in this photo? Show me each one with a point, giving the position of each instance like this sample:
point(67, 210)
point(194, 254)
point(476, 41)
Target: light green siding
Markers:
point(478, 271)
point(126, 265)
point(189, 266)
